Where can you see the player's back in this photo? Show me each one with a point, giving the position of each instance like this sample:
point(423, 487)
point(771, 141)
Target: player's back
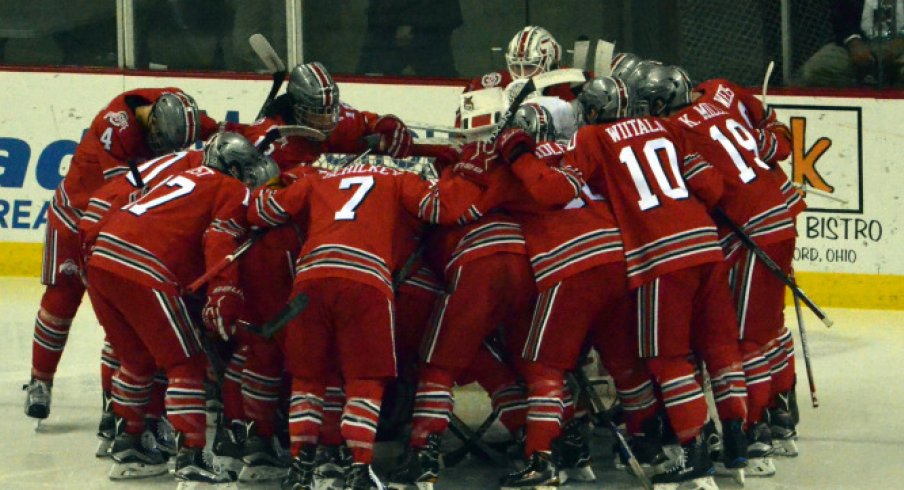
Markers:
point(162, 238)
point(353, 216)
point(640, 165)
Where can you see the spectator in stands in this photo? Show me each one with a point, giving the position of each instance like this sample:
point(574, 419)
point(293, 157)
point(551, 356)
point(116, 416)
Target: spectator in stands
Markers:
point(410, 37)
point(868, 48)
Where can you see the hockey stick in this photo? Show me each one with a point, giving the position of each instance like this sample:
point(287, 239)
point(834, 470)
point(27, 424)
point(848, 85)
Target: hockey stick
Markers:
point(293, 307)
point(454, 457)
point(223, 264)
point(274, 64)
point(816, 192)
point(579, 380)
point(772, 266)
point(805, 347)
point(477, 445)
point(766, 78)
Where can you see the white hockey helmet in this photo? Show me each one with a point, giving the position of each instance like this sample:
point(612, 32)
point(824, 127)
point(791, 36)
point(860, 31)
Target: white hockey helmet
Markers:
point(533, 50)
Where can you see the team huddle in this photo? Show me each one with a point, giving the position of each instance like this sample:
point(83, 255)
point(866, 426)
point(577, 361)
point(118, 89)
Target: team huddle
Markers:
point(595, 215)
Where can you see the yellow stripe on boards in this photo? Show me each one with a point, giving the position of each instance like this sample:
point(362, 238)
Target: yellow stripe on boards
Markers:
point(20, 259)
point(863, 291)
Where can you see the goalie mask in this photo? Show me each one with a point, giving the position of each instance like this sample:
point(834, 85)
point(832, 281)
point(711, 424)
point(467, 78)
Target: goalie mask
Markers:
point(536, 120)
point(232, 154)
point(315, 97)
point(662, 89)
point(605, 99)
point(532, 51)
point(174, 123)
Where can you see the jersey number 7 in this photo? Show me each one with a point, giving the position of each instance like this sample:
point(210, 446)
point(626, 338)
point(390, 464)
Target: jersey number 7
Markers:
point(365, 183)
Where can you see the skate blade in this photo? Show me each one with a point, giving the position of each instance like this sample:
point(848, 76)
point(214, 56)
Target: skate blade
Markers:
point(38, 425)
point(737, 474)
point(421, 485)
point(328, 483)
point(535, 487)
point(702, 483)
point(578, 473)
point(255, 474)
point(760, 467)
point(200, 485)
point(103, 448)
point(131, 471)
point(785, 447)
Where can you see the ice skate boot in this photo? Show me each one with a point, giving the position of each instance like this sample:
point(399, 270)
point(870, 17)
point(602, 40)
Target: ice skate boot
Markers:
point(360, 476)
point(541, 473)
point(728, 450)
point(106, 429)
point(37, 400)
point(194, 469)
point(782, 426)
point(417, 468)
point(691, 470)
point(263, 458)
point(646, 447)
point(133, 457)
point(301, 471)
point(228, 446)
point(330, 465)
point(759, 451)
point(572, 451)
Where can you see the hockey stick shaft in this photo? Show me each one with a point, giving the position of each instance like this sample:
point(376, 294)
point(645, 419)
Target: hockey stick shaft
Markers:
point(452, 458)
point(769, 68)
point(772, 266)
point(805, 347)
point(222, 264)
point(579, 379)
point(509, 115)
point(264, 50)
point(463, 432)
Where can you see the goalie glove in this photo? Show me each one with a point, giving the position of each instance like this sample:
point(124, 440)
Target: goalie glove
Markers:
point(395, 139)
point(224, 305)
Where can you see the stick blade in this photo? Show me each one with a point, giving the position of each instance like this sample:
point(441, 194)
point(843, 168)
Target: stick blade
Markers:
point(602, 61)
point(266, 53)
point(581, 50)
point(291, 130)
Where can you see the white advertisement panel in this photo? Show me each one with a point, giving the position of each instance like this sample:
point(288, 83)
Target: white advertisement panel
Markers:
point(845, 147)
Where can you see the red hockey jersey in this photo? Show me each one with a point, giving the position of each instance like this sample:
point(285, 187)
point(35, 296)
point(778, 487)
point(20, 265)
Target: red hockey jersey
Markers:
point(716, 128)
point(167, 238)
point(642, 168)
point(564, 240)
point(353, 217)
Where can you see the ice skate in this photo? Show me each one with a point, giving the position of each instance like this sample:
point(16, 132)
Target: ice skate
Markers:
point(417, 468)
point(228, 447)
point(162, 435)
point(330, 465)
point(541, 473)
point(360, 476)
point(194, 469)
point(133, 457)
point(301, 471)
point(647, 447)
point(728, 450)
point(37, 400)
point(572, 450)
point(759, 451)
point(263, 458)
point(691, 470)
point(782, 427)
point(106, 429)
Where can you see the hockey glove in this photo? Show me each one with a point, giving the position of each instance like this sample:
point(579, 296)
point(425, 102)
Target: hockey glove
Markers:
point(478, 160)
point(513, 143)
point(224, 304)
point(395, 138)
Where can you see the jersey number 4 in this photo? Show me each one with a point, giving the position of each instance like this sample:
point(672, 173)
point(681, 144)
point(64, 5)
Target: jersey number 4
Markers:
point(365, 184)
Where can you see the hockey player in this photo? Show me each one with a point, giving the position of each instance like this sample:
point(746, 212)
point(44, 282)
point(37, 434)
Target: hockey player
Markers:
point(134, 126)
point(144, 255)
point(720, 124)
point(641, 167)
point(312, 100)
point(573, 250)
point(345, 270)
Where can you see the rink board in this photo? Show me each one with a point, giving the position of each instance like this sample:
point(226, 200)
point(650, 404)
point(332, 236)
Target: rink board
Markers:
point(848, 254)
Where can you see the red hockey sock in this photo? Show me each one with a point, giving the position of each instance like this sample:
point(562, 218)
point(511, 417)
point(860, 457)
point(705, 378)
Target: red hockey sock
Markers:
point(185, 406)
point(758, 379)
point(432, 404)
point(333, 404)
point(305, 413)
point(681, 394)
point(109, 363)
point(260, 399)
point(360, 417)
point(131, 394)
point(545, 410)
point(157, 403)
point(782, 364)
point(52, 323)
point(232, 386)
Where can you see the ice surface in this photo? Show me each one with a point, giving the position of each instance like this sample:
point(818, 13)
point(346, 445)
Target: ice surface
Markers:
point(854, 440)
